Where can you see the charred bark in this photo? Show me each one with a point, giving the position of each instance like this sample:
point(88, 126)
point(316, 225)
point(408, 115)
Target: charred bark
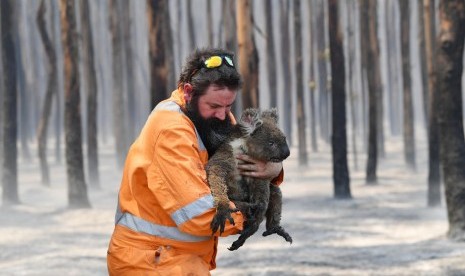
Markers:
point(119, 127)
point(158, 70)
point(51, 92)
point(248, 55)
point(452, 142)
point(91, 78)
point(270, 54)
point(374, 88)
point(409, 130)
point(286, 63)
point(77, 189)
point(312, 84)
point(434, 181)
point(339, 135)
point(10, 121)
point(298, 61)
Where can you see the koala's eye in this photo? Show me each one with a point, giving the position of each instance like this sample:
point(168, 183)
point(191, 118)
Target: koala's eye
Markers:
point(271, 143)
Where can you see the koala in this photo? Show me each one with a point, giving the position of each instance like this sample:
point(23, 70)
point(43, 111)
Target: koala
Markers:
point(257, 135)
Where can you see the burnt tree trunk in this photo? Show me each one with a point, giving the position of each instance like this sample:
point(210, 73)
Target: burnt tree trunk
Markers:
point(10, 120)
point(119, 127)
point(229, 17)
point(128, 71)
point(452, 143)
point(77, 189)
point(312, 84)
point(434, 180)
point(210, 23)
point(352, 6)
point(409, 131)
point(190, 24)
point(91, 78)
point(286, 63)
point(230, 40)
point(392, 40)
point(339, 135)
point(270, 55)
point(248, 55)
point(374, 87)
point(423, 65)
point(48, 100)
point(169, 51)
point(158, 70)
point(322, 72)
point(301, 125)
point(58, 103)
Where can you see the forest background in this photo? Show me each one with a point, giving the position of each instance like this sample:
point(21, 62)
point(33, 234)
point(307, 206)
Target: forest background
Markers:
point(368, 123)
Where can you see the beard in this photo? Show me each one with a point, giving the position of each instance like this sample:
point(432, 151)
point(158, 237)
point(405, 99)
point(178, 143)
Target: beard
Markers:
point(212, 131)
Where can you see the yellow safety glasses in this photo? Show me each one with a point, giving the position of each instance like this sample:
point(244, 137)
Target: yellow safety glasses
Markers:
point(217, 61)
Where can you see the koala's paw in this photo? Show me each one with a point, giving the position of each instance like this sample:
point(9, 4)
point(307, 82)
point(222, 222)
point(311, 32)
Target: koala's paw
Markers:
point(219, 221)
point(280, 231)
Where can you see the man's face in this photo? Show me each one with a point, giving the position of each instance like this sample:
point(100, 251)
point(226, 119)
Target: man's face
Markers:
point(210, 115)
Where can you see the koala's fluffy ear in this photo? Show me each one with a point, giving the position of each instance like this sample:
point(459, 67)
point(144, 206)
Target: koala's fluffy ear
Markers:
point(272, 114)
point(250, 120)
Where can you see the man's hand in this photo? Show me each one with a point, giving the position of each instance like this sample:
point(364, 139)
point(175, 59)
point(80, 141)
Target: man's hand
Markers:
point(259, 169)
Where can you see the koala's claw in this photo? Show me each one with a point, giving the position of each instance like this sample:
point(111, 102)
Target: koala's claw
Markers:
point(219, 221)
point(280, 231)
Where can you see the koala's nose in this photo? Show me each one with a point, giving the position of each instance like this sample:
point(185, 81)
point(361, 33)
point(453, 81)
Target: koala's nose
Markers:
point(286, 152)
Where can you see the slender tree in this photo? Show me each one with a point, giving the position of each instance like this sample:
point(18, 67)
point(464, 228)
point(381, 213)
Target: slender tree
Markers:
point(374, 88)
point(169, 56)
point(409, 130)
point(248, 55)
point(26, 117)
point(423, 61)
point(392, 41)
point(312, 83)
point(286, 63)
point(51, 91)
point(351, 8)
point(230, 33)
point(364, 48)
point(298, 62)
point(10, 121)
point(339, 135)
point(77, 189)
point(58, 103)
point(434, 180)
point(210, 23)
point(158, 71)
point(128, 70)
point(2, 91)
point(449, 60)
point(322, 72)
point(91, 78)
point(230, 39)
point(270, 54)
point(119, 127)
point(191, 26)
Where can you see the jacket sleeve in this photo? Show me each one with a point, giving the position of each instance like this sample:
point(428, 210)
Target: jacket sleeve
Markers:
point(178, 180)
point(278, 179)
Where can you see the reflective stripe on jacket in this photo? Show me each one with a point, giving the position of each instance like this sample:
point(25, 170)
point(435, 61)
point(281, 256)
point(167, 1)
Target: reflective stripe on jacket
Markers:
point(164, 191)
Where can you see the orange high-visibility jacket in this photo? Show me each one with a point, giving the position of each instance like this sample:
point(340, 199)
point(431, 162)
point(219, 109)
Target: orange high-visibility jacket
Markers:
point(164, 190)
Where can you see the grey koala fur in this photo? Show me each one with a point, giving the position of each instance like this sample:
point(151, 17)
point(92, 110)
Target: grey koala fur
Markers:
point(257, 135)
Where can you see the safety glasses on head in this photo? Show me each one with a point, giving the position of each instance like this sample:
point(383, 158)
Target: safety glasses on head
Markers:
point(217, 61)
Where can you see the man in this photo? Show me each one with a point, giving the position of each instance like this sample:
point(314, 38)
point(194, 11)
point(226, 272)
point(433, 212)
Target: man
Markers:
point(164, 205)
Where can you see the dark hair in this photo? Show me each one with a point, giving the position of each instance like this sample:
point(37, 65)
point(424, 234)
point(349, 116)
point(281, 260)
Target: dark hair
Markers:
point(200, 78)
